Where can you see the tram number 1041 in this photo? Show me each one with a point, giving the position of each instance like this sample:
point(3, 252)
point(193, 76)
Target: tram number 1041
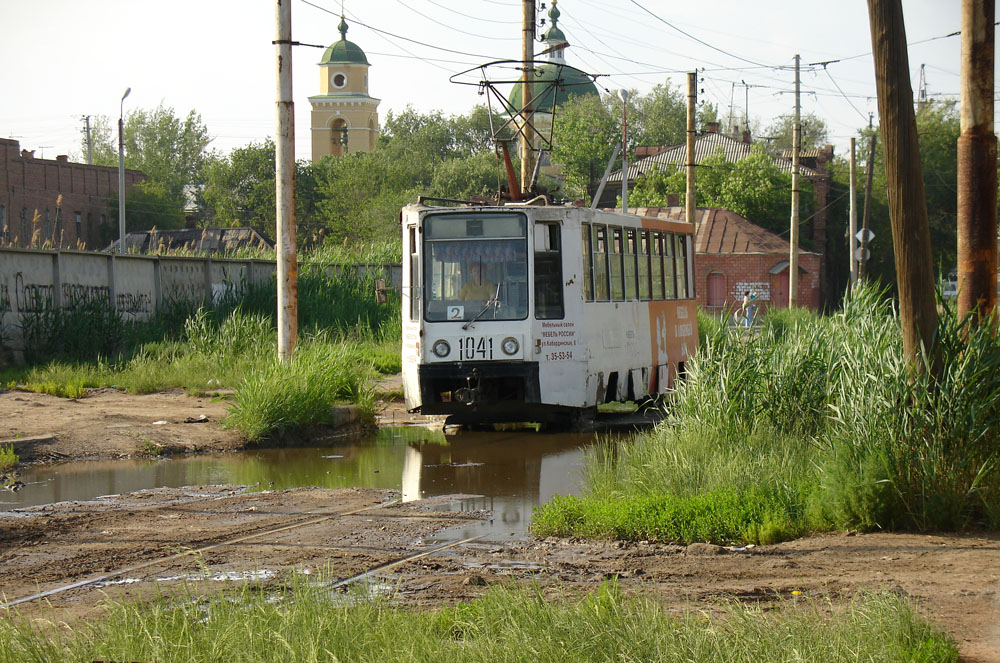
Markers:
point(471, 347)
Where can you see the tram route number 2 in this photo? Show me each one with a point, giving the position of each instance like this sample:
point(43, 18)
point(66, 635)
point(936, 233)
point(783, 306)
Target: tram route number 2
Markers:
point(471, 347)
point(561, 355)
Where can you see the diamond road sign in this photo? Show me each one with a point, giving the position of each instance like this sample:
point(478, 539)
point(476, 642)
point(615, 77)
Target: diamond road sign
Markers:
point(861, 235)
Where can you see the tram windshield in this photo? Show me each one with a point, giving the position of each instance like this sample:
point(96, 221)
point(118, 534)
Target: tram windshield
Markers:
point(476, 266)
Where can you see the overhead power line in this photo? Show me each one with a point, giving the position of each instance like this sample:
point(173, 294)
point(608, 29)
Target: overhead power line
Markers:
point(392, 34)
point(452, 27)
point(477, 18)
point(702, 41)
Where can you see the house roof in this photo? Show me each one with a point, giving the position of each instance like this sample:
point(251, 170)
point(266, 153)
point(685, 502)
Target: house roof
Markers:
point(704, 146)
point(721, 231)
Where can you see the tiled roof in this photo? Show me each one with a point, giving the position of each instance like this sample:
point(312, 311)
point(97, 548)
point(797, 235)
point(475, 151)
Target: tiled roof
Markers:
point(720, 230)
point(704, 146)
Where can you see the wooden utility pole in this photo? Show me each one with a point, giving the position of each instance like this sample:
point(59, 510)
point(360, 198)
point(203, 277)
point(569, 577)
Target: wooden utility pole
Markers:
point(911, 238)
point(527, 122)
point(977, 166)
point(862, 264)
point(284, 166)
point(793, 235)
point(690, 206)
point(853, 223)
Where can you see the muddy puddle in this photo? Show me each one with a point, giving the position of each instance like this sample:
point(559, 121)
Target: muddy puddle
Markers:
point(505, 473)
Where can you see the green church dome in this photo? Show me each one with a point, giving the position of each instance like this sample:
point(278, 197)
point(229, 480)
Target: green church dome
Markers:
point(572, 83)
point(554, 33)
point(343, 51)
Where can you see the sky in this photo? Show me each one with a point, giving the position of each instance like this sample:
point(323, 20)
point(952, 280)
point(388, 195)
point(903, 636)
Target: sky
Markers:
point(63, 60)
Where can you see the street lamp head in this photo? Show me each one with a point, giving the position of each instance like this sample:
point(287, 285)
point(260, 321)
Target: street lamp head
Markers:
point(127, 90)
point(623, 93)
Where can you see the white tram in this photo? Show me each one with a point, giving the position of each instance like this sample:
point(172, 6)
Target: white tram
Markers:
point(541, 313)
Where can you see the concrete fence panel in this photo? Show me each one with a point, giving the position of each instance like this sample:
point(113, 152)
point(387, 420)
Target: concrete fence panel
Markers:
point(36, 281)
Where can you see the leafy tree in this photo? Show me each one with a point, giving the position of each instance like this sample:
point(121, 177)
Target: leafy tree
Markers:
point(660, 117)
point(239, 188)
point(583, 137)
point(171, 151)
point(359, 195)
point(466, 177)
point(815, 133)
point(938, 128)
point(753, 187)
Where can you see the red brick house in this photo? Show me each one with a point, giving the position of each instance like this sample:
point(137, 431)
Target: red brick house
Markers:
point(29, 185)
point(733, 256)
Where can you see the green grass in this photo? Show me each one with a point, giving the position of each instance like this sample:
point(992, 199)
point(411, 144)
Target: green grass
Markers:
point(275, 396)
point(821, 419)
point(724, 516)
point(8, 459)
point(302, 622)
point(345, 340)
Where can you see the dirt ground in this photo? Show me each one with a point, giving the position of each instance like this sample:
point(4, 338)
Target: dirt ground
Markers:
point(130, 546)
point(111, 424)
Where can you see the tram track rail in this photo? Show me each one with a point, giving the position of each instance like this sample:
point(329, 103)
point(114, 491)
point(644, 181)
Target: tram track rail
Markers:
point(245, 538)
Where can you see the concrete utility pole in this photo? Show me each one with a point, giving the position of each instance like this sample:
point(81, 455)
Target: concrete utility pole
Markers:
point(793, 235)
point(623, 93)
point(90, 152)
point(911, 239)
point(862, 264)
point(692, 101)
point(977, 166)
point(527, 55)
point(284, 166)
point(853, 225)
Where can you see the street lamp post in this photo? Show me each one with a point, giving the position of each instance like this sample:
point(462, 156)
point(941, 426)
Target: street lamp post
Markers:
point(121, 173)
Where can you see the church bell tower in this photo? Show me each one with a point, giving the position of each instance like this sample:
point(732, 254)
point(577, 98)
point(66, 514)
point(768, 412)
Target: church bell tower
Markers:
point(344, 116)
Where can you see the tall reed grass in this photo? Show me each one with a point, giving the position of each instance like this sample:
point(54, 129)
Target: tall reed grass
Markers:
point(303, 622)
point(822, 417)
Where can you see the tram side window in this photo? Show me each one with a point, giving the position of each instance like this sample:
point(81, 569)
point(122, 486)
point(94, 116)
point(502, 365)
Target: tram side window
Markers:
point(588, 265)
point(548, 272)
point(600, 241)
point(414, 275)
point(644, 265)
point(669, 278)
point(657, 256)
point(681, 261)
point(615, 255)
point(631, 284)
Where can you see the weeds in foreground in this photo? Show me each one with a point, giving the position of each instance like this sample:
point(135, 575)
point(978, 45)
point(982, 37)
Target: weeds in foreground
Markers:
point(8, 459)
point(300, 622)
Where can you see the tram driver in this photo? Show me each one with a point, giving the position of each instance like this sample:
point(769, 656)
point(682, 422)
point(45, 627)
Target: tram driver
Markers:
point(478, 287)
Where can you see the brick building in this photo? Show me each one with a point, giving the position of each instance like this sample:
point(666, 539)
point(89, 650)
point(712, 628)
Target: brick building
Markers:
point(733, 256)
point(31, 188)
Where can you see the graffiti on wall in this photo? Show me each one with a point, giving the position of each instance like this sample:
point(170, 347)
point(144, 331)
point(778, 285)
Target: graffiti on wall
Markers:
point(39, 297)
point(135, 303)
point(32, 297)
point(75, 295)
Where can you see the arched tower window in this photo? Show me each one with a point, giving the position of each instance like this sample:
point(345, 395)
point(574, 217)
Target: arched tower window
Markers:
point(338, 136)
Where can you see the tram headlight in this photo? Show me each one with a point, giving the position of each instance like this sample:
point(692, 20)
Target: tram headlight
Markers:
point(510, 345)
point(441, 348)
